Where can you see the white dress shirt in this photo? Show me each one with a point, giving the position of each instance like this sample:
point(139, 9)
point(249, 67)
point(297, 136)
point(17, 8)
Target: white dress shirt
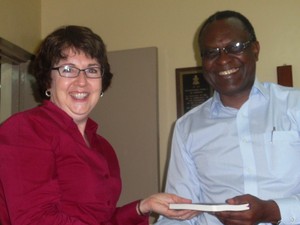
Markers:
point(220, 152)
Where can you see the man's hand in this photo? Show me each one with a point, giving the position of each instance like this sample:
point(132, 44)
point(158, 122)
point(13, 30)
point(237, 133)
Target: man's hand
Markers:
point(260, 211)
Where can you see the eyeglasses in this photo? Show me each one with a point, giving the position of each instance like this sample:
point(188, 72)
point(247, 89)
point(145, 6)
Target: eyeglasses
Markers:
point(72, 71)
point(232, 49)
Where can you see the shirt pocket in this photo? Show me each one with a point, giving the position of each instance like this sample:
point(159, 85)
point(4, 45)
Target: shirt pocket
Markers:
point(282, 152)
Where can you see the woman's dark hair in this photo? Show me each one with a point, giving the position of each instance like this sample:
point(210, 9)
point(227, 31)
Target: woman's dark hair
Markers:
point(51, 51)
point(225, 15)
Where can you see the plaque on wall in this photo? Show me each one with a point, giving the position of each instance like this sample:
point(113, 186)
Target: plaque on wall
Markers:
point(191, 89)
point(285, 75)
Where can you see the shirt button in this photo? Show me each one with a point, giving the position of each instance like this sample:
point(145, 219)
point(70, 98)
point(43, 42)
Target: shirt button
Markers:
point(292, 220)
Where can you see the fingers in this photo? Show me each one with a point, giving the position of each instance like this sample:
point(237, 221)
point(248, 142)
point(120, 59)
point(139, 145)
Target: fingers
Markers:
point(182, 214)
point(170, 198)
point(159, 203)
point(178, 199)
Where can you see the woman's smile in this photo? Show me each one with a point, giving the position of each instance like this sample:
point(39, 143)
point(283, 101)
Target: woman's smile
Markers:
point(79, 95)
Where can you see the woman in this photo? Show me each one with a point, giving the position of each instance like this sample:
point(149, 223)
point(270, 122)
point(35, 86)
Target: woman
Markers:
point(54, 168)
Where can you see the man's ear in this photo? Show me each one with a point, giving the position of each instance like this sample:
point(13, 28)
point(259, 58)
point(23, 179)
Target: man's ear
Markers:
point(256, 49)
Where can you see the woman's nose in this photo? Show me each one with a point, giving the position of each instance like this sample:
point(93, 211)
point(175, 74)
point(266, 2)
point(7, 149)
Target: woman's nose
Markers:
point(82, 78)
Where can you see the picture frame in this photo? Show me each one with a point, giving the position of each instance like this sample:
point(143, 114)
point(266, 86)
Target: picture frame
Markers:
point(285, 75)
point(191, 89)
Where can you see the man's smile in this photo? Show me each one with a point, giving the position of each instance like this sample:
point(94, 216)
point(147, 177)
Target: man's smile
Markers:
point(228, 72)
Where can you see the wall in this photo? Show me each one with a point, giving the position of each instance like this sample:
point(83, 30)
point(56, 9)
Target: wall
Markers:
point(20, 22)
point(170, 25)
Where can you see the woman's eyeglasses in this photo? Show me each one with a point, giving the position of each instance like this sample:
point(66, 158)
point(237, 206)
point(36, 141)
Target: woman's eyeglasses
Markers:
point(72, 71)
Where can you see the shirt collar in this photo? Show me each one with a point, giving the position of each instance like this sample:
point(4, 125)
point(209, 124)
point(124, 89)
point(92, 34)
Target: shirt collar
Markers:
point(64, 120)
point(217, 106)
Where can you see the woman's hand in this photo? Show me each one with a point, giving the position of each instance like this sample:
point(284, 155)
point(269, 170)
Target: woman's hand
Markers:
point(159, 203)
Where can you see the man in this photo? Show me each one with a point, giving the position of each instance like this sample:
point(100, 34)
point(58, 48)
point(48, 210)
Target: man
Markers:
point(242, 145)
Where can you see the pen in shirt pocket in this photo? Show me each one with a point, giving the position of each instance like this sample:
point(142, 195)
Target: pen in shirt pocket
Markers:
point(274, 129)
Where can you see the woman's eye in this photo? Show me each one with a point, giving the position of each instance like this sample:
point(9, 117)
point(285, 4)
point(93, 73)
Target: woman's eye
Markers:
point(67, 69)
point(93, 70)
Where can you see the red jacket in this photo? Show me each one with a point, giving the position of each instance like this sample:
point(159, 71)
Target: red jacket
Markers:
point(48, 175)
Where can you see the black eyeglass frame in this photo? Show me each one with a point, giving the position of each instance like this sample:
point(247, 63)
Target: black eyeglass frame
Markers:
point(229, 49)
point(80, 70)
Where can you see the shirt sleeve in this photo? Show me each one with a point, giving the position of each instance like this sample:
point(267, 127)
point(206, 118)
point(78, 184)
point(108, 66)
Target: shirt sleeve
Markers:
point(30, 195)
point(127, 214)
point(182, 177)
point(289, 210)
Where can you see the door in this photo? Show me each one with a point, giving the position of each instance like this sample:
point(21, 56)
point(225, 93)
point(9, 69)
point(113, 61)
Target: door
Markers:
point(127, 115)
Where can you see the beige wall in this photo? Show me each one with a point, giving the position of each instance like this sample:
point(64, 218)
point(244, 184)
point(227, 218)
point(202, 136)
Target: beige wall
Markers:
point(20, 22)
point(170, 25)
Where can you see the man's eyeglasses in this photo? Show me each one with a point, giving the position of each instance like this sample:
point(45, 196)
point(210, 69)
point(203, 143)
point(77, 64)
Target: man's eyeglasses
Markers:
point(232, 49)
point(72, 71)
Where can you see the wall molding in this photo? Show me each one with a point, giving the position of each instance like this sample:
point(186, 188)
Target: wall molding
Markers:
point(11, 53)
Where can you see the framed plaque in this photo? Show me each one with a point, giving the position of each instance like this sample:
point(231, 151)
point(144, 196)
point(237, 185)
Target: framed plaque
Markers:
point(285, 75)
point(191, 89)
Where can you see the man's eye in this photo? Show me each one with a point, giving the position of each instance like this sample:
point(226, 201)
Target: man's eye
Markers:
point(234, 48)
point(210, 53)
